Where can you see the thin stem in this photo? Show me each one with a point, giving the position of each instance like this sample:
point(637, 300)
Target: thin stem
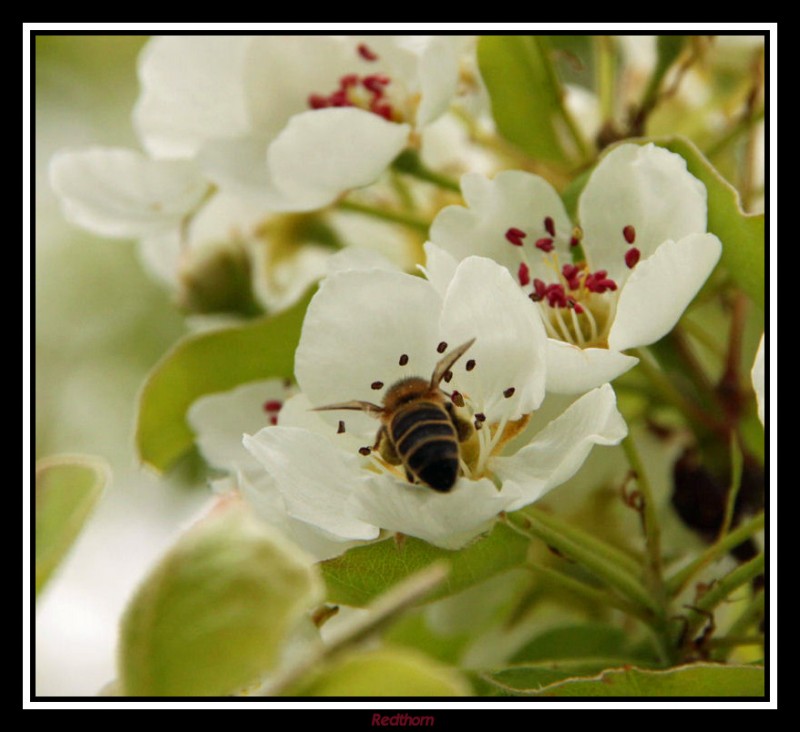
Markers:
point(730, 383)
point(742, 532)
point(395, 217)
point(605, 62)
point(652, 530)
point(742, 126)
point(591, 553)
point(701, 335)
point(410, 163)
point(733, 489)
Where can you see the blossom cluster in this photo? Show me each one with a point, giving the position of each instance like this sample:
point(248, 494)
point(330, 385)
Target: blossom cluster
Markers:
point(250, 141)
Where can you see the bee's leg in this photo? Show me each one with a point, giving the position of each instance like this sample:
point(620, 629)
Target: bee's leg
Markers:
point(385, 447)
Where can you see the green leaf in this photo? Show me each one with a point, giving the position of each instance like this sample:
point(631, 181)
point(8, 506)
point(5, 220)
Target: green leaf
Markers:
point(215, 613)
point(589, 640)
point(385, 672)
point(527, 98)
point(206, 363)
point(703, 679)
point(67, 489)
point(365, 572)
point(741, 234)
point(528, 679)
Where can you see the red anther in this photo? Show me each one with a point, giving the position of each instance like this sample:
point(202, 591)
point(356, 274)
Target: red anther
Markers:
point(317, 101)
point(549, 225)
point(457, 399)
point(574, 241)
point(348, 80)
point(273, 405)
point(545, 244)
point(601, 274)
point(515, 236)
point(383, 110)
point(578, 308)
point(569, 271)
point(339, 98)
point(632, 257)
point(556, 296)
point(375, 83)
point(524, 274)
point(367, 53)
point(540, 288)
point(629, 233)
point(273, 420)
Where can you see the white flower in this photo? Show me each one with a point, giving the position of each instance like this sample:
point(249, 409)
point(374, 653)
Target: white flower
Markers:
point(643, 222)
point(366, 330)
point(220, 421)
point(292, 121)
point(757, 377)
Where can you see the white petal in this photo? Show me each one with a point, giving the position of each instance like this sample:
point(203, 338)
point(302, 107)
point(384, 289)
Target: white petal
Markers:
point(357, 258)
point(559, 449)
point(355, 330)
point(221, 420)
point(192, 91)
point(514, 199)
point(323, 153)
point(122, 193)
point(448, 520)
point(299, 412)
point(646, 187)
point(263, 495)
point(757, 376)
point(484, 303)
point(573, 370)
point(316, 480)
point(660, 288)
point(438, 71)
point(280, 281)
point(440, 267)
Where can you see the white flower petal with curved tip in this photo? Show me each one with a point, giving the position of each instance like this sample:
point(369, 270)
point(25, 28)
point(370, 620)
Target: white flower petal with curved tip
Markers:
point(757, 377)
point(263, 495)
point(557, 451)
point(440, 266)
point(660, 288)
point(483, 302)
point(191, 92)
point(221, 420)
point(299, 412)
point(573, 370)
point(448, 520)
point(438, 73)
point(646, 187)
point(357, 258)
point(323, 153)
point(121, 193)
point(355, 330)
point(316, 479)
point(514, 199)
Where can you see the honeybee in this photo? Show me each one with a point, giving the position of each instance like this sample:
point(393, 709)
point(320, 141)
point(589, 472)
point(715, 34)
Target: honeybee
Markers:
point(420, 428)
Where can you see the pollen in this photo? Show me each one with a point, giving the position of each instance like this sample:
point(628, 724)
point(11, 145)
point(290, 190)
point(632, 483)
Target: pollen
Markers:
point(365, 450)
point(448, 376)
point(545, 244)
point(376, 385)
point(549, 225)
point(442, 347)
point(508, 393)
point(632, 257)
point(515, 236)
point(367, 53)
point(629, 233)
point(273, 405)
point(403, 359)
point(524, 274)
point(470, 364)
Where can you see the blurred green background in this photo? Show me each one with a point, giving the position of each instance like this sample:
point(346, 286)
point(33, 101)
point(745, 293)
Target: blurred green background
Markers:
point(100, 323)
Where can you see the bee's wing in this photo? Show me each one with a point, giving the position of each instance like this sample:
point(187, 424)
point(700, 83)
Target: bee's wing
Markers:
point(372, 409)
point(448, 360)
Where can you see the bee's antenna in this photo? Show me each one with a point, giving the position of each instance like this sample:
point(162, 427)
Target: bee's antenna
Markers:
point(372, 409)
point(447, 361)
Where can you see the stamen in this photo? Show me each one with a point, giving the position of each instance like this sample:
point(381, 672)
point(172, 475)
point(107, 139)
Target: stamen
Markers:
point(317, 101)
point(629, 233)
point(448, 375)
point(515, 236)
point(545, 244)
point(632, 257)
point(273, 420)
point(403, 359)
point(480, 417)
point(457, 399)
point(576, 325)
point(592, 323)
point(477, 424)
point(367, 53)
point(524, 274)
point(470, 364)
point(442, 347)
point(508, 393)
point(376, 385)
point(375, 83)
point(540, 290)
point(549, 225)
point(273, 405)
point(348, 81)
point(365, 450)
point(340, 430)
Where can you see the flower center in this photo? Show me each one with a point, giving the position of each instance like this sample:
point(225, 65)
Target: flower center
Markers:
point(578, 305)
point(373, 92)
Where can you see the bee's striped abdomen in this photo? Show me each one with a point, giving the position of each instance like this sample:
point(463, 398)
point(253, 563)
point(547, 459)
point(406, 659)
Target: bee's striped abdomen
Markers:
point(426, 441)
